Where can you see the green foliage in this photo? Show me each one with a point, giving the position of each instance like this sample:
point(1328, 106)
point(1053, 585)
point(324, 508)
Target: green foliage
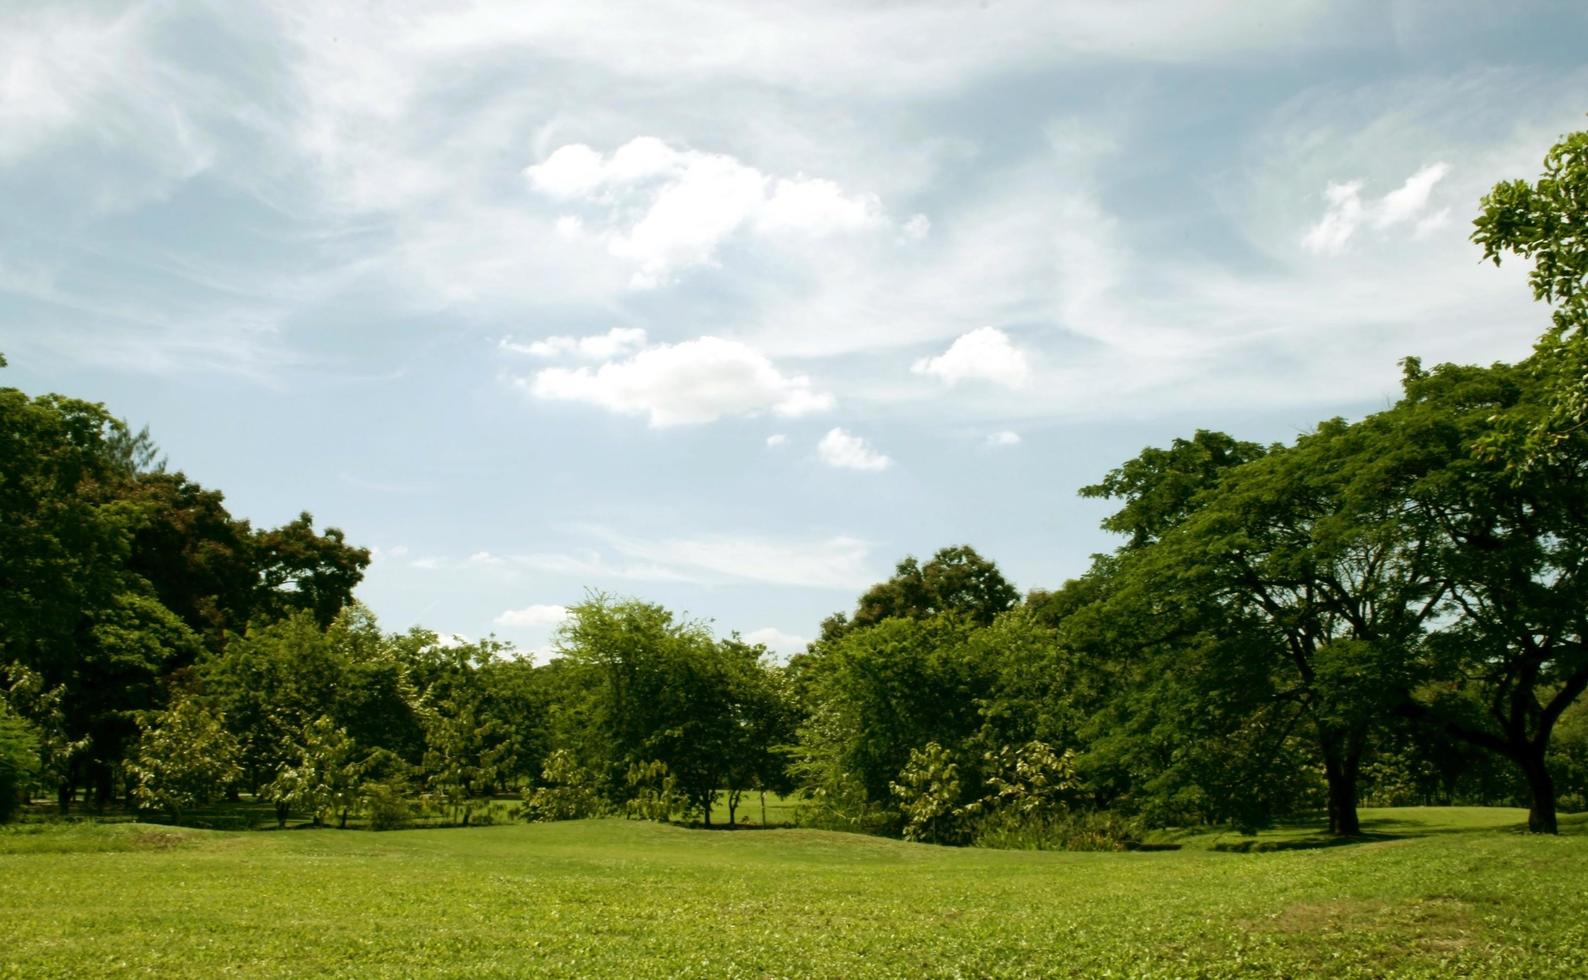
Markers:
point(187, 757)
point(1543, 222)
point(302, 571)
point(928, 792)
point(386, 804)
point(652, 792)
point(1028, 781)
point(324, 780)
point(567, 791)
point(19, 760)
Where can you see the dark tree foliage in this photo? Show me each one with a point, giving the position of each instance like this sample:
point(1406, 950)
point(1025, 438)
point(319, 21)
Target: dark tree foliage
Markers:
point(302, 570)
point(196, 556)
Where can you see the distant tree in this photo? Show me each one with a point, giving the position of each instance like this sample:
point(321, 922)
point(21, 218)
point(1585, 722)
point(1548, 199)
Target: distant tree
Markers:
point(956, 580)
point(886, 690)
point(302, 570)
point(185, 758)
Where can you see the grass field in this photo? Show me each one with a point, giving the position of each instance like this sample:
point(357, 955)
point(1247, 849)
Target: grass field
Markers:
point(1444, 892)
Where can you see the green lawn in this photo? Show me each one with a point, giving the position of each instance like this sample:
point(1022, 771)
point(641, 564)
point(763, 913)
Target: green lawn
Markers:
point(1444, 893)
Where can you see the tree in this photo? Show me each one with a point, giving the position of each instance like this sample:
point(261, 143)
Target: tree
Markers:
point(185, 758)
point(198, 559)
point(302, 570)
point(19, 760)
point(567, 791)
point(1329, 586)
point(928, 790)
point(326, 778)
point(1512, 548)
point(956, 580)
point(1544, 222)
point(885, 691)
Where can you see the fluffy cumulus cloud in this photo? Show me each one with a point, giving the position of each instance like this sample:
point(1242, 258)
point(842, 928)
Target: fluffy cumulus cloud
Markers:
point(1346, 211)
point(600, 347)
point(1005, 438)
point(688, 383)
point(536, 615)
point(667, 209)
point(984, 354)
point(846, 451)
point(776, 441)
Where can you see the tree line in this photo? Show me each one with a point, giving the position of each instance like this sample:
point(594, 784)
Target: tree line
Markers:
point(1389, 610)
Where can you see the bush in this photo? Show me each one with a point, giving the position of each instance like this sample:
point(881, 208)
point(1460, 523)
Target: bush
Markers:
point(928, 795)
point(653, 792)
point(1099, 831)
point(387, 805)
point(567, 792)
point(19, 760)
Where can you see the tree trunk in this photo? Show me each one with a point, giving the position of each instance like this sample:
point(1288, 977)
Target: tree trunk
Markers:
point(1541, 792)
point(1340, 769)
point(63, 797)
point(763, 808)
point(707, 808)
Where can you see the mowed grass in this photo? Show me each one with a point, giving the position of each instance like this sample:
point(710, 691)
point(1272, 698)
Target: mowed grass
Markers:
point(1446, 893)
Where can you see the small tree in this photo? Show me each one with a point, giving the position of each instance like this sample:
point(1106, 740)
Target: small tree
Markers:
point(324, 780)
point(187, 758)
point(19, 760)
point(653, 792)
point(928, 793)
point(1028, 782)
point(567, 791)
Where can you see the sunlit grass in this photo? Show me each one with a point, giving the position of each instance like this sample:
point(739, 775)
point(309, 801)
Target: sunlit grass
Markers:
point(1453, 892)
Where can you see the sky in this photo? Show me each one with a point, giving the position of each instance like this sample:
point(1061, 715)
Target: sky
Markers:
point(730, 306)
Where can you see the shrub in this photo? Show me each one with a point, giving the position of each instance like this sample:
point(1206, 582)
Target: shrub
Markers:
point(567, 792)
point(928, 794)
point(387, 805)
point(653, 791)
point(19, 760)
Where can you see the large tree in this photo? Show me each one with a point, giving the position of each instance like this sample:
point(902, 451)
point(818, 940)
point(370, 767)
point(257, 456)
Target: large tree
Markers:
point(1509, 654)
point(1544, 222)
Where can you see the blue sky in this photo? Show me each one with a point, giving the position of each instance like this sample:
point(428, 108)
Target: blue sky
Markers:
point(731, 306)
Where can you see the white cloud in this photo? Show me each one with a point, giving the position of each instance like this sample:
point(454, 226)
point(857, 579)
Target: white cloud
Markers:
point(776, 640)
point(600, 347)
point(1005, 438)
point(485, 558)
point(1347, 212)
point(689, 383)
point(845, 451)
point(916, 229)
point(776, 441)
point(668, 209)
point(533, 615)
point(985, 354)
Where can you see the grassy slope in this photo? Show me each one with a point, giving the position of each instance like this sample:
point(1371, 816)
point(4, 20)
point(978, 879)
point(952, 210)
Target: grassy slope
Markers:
point(1459, 893)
